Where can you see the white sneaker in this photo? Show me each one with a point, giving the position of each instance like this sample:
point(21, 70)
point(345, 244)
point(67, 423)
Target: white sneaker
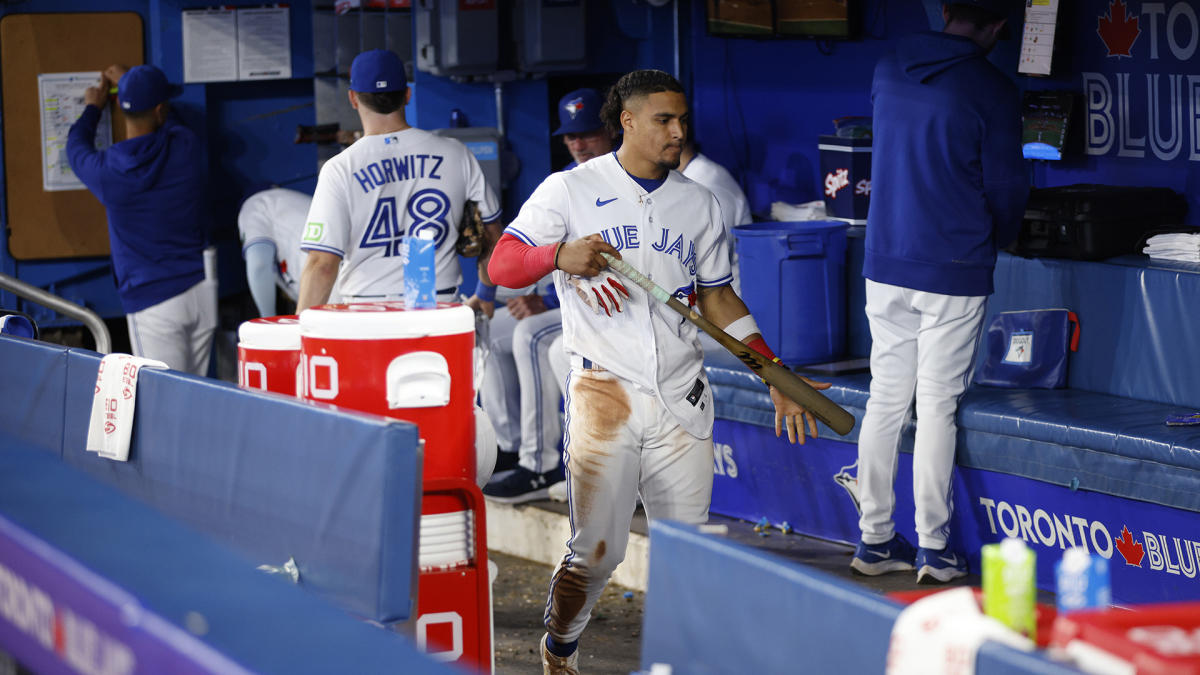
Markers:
point(558, 491)
point(557, 665)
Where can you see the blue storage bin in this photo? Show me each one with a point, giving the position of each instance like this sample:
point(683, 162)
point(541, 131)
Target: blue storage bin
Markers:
point(794, 282)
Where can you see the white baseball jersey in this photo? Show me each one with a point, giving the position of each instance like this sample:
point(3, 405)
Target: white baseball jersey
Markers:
point(672, 235)
point(735, 210)
point(388, 186)
point(277, 215)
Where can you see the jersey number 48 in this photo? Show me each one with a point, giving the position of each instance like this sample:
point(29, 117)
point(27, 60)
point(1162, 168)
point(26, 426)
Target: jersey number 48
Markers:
point(427, 209)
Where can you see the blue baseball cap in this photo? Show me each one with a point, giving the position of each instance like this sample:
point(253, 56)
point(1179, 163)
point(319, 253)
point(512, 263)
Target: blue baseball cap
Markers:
point(579, 112)
point(377, 70)
point(143, 87)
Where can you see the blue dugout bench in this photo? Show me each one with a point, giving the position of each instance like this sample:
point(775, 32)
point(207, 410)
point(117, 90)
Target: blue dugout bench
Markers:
point(1091, 465)
point(271, 476)
point(94, 581)
point(715, 606)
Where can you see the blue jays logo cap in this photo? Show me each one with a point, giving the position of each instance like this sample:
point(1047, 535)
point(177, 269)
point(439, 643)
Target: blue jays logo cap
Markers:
point(579, 112)
point(143, 87)
point(377, 70)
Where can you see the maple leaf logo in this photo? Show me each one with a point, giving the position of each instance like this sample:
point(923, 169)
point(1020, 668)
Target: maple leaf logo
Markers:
point(1118, 30)
point(1130, 549)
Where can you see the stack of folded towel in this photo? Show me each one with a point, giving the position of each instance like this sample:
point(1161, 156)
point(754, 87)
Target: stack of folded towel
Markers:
point(1178, 246)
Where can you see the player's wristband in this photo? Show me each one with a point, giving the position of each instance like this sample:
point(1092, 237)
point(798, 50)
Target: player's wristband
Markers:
point(760, 345)
point(485, 292)
point(557, 248)
point(743, 328)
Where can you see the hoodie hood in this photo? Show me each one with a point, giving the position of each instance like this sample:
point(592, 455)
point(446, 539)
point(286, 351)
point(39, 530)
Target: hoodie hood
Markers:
point(925, 55)
point(140, 160)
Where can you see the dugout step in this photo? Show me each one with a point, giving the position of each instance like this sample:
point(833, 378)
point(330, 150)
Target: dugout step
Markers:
point(538, 531)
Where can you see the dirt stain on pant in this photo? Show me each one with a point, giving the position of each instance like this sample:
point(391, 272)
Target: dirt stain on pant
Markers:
point(568, 595)
point(599, 409)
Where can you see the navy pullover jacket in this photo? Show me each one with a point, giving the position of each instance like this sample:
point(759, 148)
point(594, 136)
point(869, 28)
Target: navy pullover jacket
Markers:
point(153, 189)
point(948, 181)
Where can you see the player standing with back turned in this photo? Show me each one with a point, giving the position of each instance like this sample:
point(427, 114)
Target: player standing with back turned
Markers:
point(395, 181)
point(639, 412)
point(949, 187)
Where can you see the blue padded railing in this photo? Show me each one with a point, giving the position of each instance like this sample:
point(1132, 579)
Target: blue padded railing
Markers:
point(131, 590)
point(715, 606)
point(273, 476)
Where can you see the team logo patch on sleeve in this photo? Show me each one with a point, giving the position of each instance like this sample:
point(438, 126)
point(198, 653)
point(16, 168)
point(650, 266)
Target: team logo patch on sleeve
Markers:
point(314, 231)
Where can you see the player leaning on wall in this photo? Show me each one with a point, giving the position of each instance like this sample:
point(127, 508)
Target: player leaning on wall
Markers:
point(152, 184)
point(639, 411)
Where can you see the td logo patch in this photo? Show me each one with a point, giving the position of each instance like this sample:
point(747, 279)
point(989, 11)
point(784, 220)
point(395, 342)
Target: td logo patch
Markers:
point(314, 231)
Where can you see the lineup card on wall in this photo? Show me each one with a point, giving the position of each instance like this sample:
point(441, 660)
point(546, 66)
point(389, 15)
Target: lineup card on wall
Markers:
point(224, 45)
point(1037, 40)
point(60, 101)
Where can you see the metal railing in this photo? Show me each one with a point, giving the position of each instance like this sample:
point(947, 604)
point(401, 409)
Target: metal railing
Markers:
point(65, 307)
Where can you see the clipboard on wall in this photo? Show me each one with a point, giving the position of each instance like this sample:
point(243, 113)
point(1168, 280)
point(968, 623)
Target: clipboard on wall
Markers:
point(61, 223)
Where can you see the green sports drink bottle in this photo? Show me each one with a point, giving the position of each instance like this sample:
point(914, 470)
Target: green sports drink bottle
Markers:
point(1009, 588)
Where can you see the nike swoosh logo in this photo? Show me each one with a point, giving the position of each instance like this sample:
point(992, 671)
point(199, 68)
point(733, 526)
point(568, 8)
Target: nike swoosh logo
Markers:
point(881, 555)
point(952, 560)
point(606, 201)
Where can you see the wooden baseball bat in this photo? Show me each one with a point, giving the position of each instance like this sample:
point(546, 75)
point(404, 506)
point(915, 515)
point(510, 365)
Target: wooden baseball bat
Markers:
point(783, 379)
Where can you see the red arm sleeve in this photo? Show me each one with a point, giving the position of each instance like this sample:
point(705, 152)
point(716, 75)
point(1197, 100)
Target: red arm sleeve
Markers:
point(516, 264)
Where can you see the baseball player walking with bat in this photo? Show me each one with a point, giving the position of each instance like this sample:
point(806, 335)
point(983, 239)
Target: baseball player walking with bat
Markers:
point(639, 410)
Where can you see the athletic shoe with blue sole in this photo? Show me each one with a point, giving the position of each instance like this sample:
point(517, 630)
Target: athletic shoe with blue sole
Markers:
point(894, 555)
point(939, 566)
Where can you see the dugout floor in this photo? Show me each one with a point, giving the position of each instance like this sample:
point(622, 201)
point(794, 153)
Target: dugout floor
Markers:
point(526, 542)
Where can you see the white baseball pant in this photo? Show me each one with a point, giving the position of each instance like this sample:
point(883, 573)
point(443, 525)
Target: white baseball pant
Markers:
point(620, 440)
point(520, 391)
point(179, 330)
point(922, 343)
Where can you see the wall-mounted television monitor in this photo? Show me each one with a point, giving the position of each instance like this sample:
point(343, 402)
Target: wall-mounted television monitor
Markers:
point(1045, 118)
point(819, 19)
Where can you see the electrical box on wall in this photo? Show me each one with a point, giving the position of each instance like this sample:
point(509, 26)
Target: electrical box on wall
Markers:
point(550, 35)
point(484, 143)
point(457, 37)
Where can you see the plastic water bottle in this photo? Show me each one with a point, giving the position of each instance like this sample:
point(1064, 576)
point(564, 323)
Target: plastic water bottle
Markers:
point(1081, 580)
point(1009, 588)
point(420, 277)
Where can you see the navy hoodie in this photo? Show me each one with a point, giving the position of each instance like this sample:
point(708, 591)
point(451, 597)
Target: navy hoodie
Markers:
point(948, 181)
point(152, 187)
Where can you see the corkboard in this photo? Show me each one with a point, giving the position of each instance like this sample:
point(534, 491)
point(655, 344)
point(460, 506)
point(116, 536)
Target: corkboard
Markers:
point(55, 224)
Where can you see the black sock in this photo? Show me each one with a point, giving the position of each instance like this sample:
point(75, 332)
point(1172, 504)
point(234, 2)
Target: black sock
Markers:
point(561, 650)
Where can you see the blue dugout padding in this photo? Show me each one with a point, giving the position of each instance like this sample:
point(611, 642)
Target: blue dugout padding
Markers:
point(275, 477)
point(1137, 318)
point(714, 606)
point(94, 581)
point(1092, 465)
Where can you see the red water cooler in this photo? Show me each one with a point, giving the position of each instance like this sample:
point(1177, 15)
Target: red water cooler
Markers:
point(417, 365)
point(269, 354)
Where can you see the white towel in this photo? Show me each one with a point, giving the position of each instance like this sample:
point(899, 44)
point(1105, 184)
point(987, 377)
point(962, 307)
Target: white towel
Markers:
point(113, 400)
point(1182, 246)
point(940, 635)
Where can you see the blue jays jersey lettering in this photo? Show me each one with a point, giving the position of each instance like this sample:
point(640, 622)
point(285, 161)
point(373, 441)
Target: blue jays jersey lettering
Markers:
point(673, 235)
point(384, 188)
point(626, 236)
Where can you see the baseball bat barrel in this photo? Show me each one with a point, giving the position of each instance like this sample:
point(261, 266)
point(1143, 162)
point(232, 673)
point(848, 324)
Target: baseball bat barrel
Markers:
point(780, 377)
